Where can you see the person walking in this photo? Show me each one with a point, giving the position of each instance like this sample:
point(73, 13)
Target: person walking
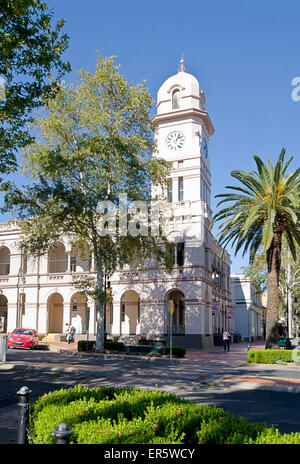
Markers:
point(69, 334)
point(226, 339)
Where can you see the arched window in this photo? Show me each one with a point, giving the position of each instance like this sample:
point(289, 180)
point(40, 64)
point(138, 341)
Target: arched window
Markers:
point(58, 260)
point(4, 261)
point(175, 99)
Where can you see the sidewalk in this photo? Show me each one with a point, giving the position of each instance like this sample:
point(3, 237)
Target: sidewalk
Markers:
point(192, 354)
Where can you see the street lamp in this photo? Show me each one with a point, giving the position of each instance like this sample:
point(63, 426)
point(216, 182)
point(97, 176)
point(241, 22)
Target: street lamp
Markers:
point(19, 317)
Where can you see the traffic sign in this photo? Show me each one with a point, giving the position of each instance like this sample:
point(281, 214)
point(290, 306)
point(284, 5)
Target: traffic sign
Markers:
point(172, 306)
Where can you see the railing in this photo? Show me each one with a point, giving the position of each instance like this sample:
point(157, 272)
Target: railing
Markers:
point(177, 330)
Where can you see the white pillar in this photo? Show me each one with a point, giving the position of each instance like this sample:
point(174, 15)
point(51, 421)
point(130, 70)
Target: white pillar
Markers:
point(69, 261)
point(115, 330)
point(66, 314)
point(43, 319)
point(92, 316)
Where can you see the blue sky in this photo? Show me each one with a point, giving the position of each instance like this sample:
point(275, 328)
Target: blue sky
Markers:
point(244, 54)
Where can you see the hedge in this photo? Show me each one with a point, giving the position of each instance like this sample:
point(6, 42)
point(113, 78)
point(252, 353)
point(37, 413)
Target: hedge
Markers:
point(178, 351)
point(125, 416)
point(269, 356)
point(108, 345)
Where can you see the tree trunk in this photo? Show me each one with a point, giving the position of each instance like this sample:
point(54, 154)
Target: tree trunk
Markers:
point(99, 301)
point(289, 299)
point(274, 260)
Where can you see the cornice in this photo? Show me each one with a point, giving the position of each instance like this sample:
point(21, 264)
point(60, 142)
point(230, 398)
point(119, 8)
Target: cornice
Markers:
point(194, 112)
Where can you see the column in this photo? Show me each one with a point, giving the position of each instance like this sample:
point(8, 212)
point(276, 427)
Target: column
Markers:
point(115, 330)
point(66, 314)
point(69, 261)
point(92, 316)
point(42, 319)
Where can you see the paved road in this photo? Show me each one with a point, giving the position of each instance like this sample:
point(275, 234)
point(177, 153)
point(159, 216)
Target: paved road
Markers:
point(260, 393)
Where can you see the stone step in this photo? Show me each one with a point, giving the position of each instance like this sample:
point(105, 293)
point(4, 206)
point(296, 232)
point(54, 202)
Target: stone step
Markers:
point(54, 337)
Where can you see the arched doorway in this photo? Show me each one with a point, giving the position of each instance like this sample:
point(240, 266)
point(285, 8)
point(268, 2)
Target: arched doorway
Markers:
point(55, 313)
point(3, 314)
point(130, 313)
point(79, 317)
point(178, 325)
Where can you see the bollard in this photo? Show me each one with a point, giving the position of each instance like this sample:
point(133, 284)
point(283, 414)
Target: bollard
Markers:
point(62, 434)
point(3, 347)
point(23, 430)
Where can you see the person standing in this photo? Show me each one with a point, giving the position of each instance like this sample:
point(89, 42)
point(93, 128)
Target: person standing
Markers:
point(226, 339)
point(69, 334)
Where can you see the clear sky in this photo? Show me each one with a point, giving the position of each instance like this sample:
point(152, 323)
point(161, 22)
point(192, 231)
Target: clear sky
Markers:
point(244, 53)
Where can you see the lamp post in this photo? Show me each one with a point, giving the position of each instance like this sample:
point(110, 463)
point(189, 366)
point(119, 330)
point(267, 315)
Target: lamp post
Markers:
point(172, 307)
point(87, 315)
point(18, 318)
point(107, 289)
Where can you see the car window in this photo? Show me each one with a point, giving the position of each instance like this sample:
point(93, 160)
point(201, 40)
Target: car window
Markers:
point(22, 332)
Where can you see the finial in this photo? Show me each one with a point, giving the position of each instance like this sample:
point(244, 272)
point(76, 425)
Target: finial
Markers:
point(181, 64)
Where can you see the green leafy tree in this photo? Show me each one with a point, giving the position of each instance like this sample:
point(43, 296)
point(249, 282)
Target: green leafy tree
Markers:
point(264, 209)
point(289, 286)
point(31, 47)
point(91, 161)
point(257, 271)
point(289, 281)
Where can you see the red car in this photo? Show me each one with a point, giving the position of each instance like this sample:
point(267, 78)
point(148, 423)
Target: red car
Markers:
point(23, 338)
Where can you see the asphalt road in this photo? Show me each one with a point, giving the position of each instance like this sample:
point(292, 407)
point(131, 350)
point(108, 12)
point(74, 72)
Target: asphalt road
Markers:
point(196, 381)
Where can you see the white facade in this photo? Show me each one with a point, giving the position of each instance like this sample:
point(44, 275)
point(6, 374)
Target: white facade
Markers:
point(39, 292)
point(140, 298)
point(249, 309)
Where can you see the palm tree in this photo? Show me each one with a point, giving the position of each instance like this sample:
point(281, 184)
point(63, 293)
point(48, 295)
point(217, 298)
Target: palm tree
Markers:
point(265, 208)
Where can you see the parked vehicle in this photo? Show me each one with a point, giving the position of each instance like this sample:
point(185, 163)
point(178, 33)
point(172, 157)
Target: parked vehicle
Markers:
point(23, 338)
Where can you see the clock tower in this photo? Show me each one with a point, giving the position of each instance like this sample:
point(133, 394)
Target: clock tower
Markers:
point(182, 137)
point(199, 280)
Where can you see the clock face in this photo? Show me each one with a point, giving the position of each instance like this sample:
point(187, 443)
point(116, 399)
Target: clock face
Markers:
point(175, 140)
point(205, 148)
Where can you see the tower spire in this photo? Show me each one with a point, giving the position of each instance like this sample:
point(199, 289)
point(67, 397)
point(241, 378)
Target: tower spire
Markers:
point(181, 65)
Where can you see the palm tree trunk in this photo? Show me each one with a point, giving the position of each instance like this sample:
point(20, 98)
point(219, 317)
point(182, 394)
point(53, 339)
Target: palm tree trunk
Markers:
point(274, 261)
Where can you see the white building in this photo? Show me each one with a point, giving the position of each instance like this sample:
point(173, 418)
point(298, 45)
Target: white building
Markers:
point(38, 293)
point(249, 310)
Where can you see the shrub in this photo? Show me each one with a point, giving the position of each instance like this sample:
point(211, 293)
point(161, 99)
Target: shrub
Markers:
point(108, 345)
point(115, 415)
point(82, 344)
point(110, 409)
point(178, 351)
point(113, 346)
point(269, 356)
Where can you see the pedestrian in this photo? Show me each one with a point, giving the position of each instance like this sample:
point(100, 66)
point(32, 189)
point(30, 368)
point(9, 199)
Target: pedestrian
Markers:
point(226, 339)
point(69, 333)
